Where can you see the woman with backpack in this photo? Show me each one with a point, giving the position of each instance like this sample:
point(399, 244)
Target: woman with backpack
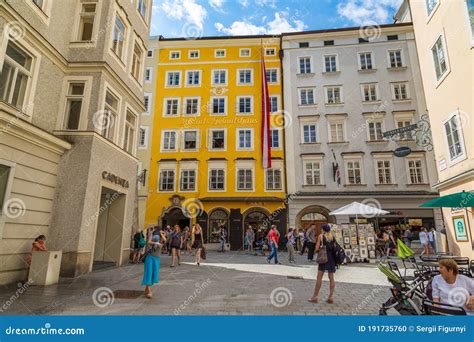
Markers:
point(152, 262)
point(326, 248)
point(139, 243)
point(176, 243)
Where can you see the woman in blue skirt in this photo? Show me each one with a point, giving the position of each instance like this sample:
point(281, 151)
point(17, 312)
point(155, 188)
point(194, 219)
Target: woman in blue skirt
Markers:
point(152, 262)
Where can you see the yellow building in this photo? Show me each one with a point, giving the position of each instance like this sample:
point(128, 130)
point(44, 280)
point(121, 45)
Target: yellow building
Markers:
point(206, 159)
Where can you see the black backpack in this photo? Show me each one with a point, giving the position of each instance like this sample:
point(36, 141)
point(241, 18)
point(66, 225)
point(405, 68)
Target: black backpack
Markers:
point(340, 255)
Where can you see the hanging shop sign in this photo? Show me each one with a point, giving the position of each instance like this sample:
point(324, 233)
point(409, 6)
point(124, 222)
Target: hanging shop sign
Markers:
point(402, 152)
point(115, 179)
point(421, 133)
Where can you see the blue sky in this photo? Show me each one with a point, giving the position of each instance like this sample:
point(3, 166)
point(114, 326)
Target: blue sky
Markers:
point(196, 18)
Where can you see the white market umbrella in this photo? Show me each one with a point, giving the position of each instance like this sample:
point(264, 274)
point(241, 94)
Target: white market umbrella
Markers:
point(356, 208)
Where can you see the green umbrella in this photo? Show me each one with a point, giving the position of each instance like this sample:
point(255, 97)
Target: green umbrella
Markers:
point(403, 250)
point(464, 199)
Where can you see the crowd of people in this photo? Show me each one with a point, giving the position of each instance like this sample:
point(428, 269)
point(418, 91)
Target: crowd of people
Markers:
point(386, 240)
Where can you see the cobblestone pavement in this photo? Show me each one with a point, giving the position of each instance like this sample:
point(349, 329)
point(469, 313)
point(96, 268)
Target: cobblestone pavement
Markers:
point(235, 284)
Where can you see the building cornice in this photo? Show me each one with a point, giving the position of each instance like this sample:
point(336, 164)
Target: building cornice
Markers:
point(455, 180)
point(358, 194)
point(243, 199)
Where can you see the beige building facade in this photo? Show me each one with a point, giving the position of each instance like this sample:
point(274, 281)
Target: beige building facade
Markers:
point(70, 105)
point(444, 33)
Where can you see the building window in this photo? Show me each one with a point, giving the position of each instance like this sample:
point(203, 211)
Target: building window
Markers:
point(173, 78)
point(306, 96)
point(142, 8)
point(129, 135)
point(274, 104)
point(218, 106)
point(369, 92)
point(353, 172)
point(245, 76)
point(4, 178)
point(40, 4)
point(191, 106)
point(188, 180)
point(404, 123)
point(137, 60)
point(415, 170)
point(312, 173)
point(143, 137)
point(274, 138)
point(190, 140)
point(330, 63)
point(74, 103)
point(219, 77)
point(244, 179)
point(375, 130)
point(219, 53)
point(440, 58)
point(169, 141)
point(86, 22)
point(244, 52)
point(395, 58)
point(333, 95)
point(270, 52)
point(245, 139)
point(384, 172)
point(309, 133)
point(245, 105)
point(336, 131)
point(148, 73)
point(171, 107)
point(272, 75)
point(175, 55)
point(365, 59)
point(193, 54)
point(400, 91)
point(218, 140)
point(430, 6)
point(273, 179)
point(193, 78)
point(305, 65)
point(118, 43)
point(454, 137)
point(216, 180)
point(16, 75)
point(110, 116)
point(166, 182)
point(149, 53)
point(147, 102)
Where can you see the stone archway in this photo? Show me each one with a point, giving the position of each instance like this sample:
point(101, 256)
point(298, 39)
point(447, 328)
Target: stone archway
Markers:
point(316, 214)
point(175, 216)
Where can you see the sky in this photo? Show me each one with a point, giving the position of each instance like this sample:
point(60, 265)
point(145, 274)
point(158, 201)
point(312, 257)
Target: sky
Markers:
point(197, 18)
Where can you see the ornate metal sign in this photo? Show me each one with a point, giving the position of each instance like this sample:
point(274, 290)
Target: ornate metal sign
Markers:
point(421, 133)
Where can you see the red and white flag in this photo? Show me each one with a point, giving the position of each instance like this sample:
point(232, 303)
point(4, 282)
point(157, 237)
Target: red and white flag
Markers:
point(266, 149)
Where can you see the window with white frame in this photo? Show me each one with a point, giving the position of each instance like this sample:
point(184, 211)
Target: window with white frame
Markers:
point(272, 75)
point(171, 107)
point(454, 137)
point(193, 78)
point(275, 138)
point(169, 141)
point(404, 122)
point(312, 170)
point(149, 53)
point(129, 134)
point(148, 74)
point(305, 65)
point(147, 102)
point(219, 77)
point(395, 58)
point(110, 117)
point(273, 179)
point(336, 130)
point(5, 171)
point(217, 139)
point(375, 129)
point(244, 179)
point(415, 171)
point(143, 137)
point(245, 138)
point(244, 104)
point(142, 7)
point(309, 133)
point(120, 34)
point(166, 181)
point(430, 6)
point(244, 52)
point(270, 52)
point(369, 92)
point(173, 78)
point(219, 53)
point(274, 104)
point(175, 54)
point(306, 96)
point(219, 105)
point(440, 58)
point(16, 76)
point(86, 22)
point(366, 61)
point(400, 91)
point(190, 140)
point(384, 171)
point(333, 95)
point(191, 106)
point(354, 172)
point(216, 179)
point(187, 180)
point(245, 76)
point(330, 63)
point(194, 54)
point(137, 61)
point(74, 104)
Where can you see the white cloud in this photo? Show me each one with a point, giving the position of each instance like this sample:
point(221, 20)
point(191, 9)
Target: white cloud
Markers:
point(366, 12)
point(244, 3)
point(280, 23)
point(188, 10)
point(217, 4)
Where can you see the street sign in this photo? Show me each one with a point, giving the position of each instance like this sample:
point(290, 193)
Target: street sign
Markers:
point(402, 152)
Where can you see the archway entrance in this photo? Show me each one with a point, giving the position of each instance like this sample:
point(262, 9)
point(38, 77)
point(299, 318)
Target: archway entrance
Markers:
point(217, 219)
point(174, 217)
point(258, 220)
point(314, 215)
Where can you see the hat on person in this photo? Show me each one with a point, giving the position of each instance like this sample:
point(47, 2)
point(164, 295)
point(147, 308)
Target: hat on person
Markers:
point(326, 228)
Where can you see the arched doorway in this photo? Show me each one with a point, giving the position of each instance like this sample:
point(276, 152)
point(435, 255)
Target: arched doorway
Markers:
point(175, 216)
point(313, 215)
point(256, 218)
point(217, 218)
